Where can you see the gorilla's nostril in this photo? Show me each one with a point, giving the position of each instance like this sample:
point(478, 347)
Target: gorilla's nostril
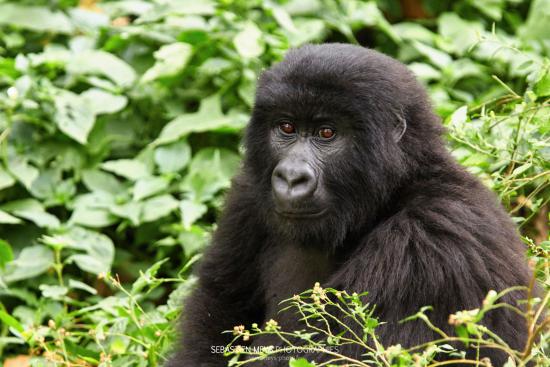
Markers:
point(298, 180)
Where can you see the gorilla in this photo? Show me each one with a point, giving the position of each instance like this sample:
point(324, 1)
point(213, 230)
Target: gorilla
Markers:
point(346, 181)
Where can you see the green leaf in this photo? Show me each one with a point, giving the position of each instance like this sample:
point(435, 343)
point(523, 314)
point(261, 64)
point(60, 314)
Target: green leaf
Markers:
point(521, 169)
point(147, 278)
point(148, 186)
point(368, 14)
point(414, 31)
point(101, 101)
point(158, 207)
point(118, 345)
point(462, 333)
point(89, 263)
point(542, 85)
point(171, 59)
point(92, 210)
point(459, 117)
point(308, 30)
point(23, 171)
point(211, 170)
point(460, 33)
point(300, 363)
point(34, 18)
point(491, 8)
point(190, 212)
point(248, 41)
point(193, 240)
point(130, 210)
point(536, 26)
point(283, 18)
point(31, 261)
point(6, 255)
point(102, 63)
point(247, 88)
point(436, 57)
point(6, 180)
point(208, 117)
point(96, 180)
point(11, 321)
point(132, 169)
point(8, 219)
point(92, 217)
point(76, 284)
point(74, 116)
point(32, 210)
point(55, 292)
point(99, 249)
point(173, 157)
point(425, 71)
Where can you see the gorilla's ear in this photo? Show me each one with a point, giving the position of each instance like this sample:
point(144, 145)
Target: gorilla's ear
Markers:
point(399, 128)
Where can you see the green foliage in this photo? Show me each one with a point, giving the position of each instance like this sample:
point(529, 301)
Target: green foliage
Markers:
point(334, 320)
point(120, 124)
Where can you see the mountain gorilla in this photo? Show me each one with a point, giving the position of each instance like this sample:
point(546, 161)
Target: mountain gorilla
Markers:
point(346, 182)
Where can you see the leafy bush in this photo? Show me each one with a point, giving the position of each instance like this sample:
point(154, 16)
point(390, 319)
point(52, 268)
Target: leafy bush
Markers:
point(119, 131)
point(334, 320)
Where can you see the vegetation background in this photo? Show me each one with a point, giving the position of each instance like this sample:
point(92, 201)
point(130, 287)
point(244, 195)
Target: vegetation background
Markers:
point(120, 124)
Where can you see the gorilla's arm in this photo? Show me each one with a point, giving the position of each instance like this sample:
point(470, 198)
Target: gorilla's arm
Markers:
point(226, 293)
point(440, 254)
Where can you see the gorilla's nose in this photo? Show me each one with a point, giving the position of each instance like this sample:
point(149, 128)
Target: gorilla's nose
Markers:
point(293, 182)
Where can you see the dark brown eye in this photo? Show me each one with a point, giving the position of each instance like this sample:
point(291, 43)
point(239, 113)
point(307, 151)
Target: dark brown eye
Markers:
point(326, 133)
point(287, 128)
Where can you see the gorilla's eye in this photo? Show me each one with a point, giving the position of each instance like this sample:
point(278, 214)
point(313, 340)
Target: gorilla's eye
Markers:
point(326, 133)
point(287, 128)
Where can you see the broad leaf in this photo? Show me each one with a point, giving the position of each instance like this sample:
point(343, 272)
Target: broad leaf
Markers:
point(8, 219)
point(190, 212)
point(171, 59)
point(6, 255)
point(30, 262)
point(92, 210)
point(99, 249)
point(23, 170)
point(158, 207)
point(34, 18)
point(208, 117)
point(74, 115)
point(436, 57)
point(101, 101)
point(211, 170)
point(96, 180)
point(173, 157)
point(248, 41)
point(6, 180)
point(460, 33)
point(148, 186)
point(55, 292)
point(132, 169)
point(32, 210)
point(102, 63)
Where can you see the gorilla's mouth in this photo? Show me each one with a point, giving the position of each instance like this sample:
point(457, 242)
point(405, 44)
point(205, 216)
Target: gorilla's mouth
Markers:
point(301, 214)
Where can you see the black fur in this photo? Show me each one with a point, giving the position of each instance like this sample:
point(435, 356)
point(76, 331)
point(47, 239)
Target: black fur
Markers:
point(405, 221)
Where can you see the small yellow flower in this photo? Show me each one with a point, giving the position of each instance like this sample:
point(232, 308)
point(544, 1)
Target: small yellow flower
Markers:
point(271, 325)
point(237, 330)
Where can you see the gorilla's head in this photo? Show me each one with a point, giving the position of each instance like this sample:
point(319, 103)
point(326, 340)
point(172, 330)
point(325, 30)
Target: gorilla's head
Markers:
point(335, 131)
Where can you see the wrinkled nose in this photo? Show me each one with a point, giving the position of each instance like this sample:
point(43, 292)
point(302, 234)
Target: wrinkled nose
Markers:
point(293, 182)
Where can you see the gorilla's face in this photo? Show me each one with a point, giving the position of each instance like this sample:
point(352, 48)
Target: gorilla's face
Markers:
point(302, 150)
point(309, 162)
point(327, 143)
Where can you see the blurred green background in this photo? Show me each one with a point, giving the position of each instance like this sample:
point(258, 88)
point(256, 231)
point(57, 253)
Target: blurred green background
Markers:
point(120, 128)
